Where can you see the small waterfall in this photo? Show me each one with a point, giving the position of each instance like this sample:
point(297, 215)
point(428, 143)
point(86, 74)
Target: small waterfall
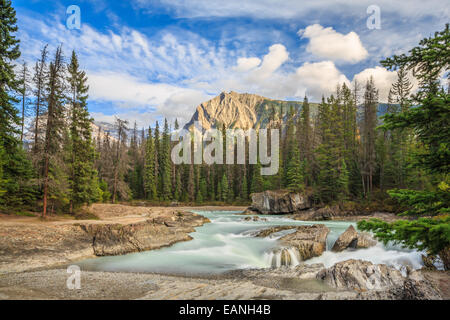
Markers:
point(284, 257)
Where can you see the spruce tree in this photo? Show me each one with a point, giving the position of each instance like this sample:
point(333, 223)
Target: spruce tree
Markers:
point(369, 134)
point(24, 90)
point(149, 170)
point(83, 176)
point(39, 83)
point(306, 140)
point(9, 84)
point(54, 176)
point(165, 165)
point(257, 184)
point(295, 173)
point(15, 183)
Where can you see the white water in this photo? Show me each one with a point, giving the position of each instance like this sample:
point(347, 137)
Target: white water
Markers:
point(228, 243)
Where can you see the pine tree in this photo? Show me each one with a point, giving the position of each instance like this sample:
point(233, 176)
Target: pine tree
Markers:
point(149, 171)
point(25, 88)
point(165, 165)
point(39, 83)
point(158, 152)
point(55, 188)
point(83, 177)
point(257, 181)
point(306, 140)
point(369, 134)
point(225, 188)
point(16, 174)
point(120, 162)
point(295, 173)
point(9, 85)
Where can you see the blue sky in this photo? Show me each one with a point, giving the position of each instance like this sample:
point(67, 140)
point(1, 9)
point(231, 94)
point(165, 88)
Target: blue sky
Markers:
point(148, 59)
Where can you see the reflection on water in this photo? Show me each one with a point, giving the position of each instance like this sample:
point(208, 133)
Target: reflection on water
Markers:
point(228, 243)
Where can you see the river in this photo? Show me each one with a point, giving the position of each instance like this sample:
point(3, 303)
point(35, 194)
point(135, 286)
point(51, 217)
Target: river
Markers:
point(228, 243)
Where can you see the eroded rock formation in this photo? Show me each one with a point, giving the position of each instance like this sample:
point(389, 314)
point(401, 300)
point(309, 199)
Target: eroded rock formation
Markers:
point(118, 239)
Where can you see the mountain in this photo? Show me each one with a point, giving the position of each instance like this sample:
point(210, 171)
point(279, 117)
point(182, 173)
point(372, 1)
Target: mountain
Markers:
point(245, 111)
point(241, 111)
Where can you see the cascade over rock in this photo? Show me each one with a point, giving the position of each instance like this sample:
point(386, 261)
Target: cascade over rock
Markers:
point(305, 243)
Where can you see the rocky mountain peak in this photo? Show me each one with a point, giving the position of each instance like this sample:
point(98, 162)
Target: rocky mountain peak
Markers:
point(235, 110)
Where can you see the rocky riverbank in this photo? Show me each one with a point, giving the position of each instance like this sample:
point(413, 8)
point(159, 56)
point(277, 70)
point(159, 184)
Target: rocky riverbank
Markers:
point(33, 252)
point(349, 280)
point(300, 206)
point(30, 243)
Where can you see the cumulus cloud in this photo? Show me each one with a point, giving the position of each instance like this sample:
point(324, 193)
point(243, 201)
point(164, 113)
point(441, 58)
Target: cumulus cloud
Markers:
point(320, 78)
point(247, 64)
point(327, 43)
point(272, 61)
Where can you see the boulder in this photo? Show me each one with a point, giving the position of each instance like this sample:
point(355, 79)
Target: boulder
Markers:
point(345, 240)
point(361, 275)
point(279, 202)
point(325, 214)
point(308, 241)
point(352, 239)
point(378, 281)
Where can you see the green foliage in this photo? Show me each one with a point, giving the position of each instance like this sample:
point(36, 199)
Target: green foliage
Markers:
point(165, 168)
point(149, 170)
point(257, 181)
point(18, 181)
point(295, 172)
point(83, 180)
point(431, 234)
point(9, 84)
point(224, 194)
point(429, 203)
point(105, 195)
point(429, 121)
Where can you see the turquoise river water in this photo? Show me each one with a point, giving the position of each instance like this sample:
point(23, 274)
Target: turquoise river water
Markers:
point(228, 243)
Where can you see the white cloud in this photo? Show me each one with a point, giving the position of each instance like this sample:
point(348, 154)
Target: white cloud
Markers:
point(290, 9)
point(326, 43)
point(131, 93)
point(320, 78)
point(247, 64)
point(272, 61)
